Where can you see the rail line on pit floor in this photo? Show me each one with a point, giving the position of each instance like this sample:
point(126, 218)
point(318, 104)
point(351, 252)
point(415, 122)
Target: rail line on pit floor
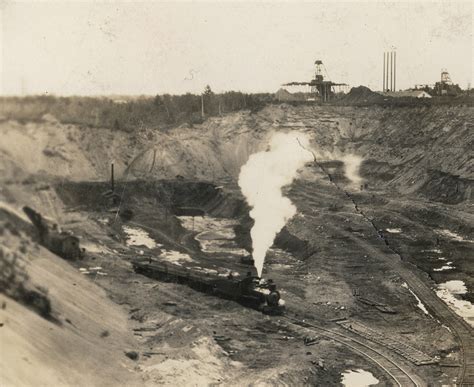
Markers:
point(436, 306)
point(367, 349)
point(399, 375)
point(396, 372)
point(462, 330)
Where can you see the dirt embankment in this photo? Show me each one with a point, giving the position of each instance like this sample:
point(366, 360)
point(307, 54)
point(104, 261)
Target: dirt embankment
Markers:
point(421, 150)
point(82, 337)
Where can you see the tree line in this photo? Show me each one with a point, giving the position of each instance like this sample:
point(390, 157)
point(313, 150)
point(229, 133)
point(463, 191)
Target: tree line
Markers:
point(129, 113)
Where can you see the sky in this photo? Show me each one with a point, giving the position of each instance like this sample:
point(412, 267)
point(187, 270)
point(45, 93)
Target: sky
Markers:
point(149, 48)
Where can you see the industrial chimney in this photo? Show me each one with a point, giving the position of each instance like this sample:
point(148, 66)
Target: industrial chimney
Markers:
point(383, 79)
point(389, 71)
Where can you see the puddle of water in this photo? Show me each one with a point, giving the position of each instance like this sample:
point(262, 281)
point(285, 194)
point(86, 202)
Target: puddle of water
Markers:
point(358, 378)
point(280, 266)
point(419, 304)
point(104, 221)
point(138, 237)
point(222, 226)
point(234, 273)
point(454, 286)
point(175, 257)
point(452, 235)
point(448, 266)
point(220, 246)
point(394, 230)
point(205, 270)
point(447, 291)
point(92, 270)
point(215, 235)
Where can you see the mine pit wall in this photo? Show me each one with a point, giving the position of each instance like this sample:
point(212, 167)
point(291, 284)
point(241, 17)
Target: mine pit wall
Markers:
point(161, 193)
point(415, 150)
point(412, 150)
point(163, 196)
point(421, 150)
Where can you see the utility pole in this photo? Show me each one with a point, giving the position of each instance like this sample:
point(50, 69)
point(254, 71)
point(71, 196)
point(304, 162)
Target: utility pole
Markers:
point(112, 182)
point(202, 105)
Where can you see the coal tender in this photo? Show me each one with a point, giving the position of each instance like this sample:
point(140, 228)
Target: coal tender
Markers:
point(249, 291)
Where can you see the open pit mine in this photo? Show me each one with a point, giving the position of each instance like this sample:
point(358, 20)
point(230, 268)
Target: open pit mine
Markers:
point(294, 244)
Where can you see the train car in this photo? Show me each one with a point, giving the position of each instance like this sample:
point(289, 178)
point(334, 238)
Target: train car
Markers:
point(249, 291)
point(60, 243)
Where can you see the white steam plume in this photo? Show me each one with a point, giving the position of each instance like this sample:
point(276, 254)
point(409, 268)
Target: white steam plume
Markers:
point(352, 167)
point(261, 180)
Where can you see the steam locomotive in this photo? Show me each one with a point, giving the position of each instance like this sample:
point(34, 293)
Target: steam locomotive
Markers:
point(249, 291)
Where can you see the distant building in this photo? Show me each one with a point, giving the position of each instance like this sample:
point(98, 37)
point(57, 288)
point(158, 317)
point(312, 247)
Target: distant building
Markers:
point(408, 93)
point(446, 87)
point(120, 101)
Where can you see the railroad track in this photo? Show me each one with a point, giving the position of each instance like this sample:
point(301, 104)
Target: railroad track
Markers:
point(461, 328)
point(436, 306)
point(399, 375)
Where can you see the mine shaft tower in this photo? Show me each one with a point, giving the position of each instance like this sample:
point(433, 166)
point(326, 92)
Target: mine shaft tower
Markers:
point(319, 85)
